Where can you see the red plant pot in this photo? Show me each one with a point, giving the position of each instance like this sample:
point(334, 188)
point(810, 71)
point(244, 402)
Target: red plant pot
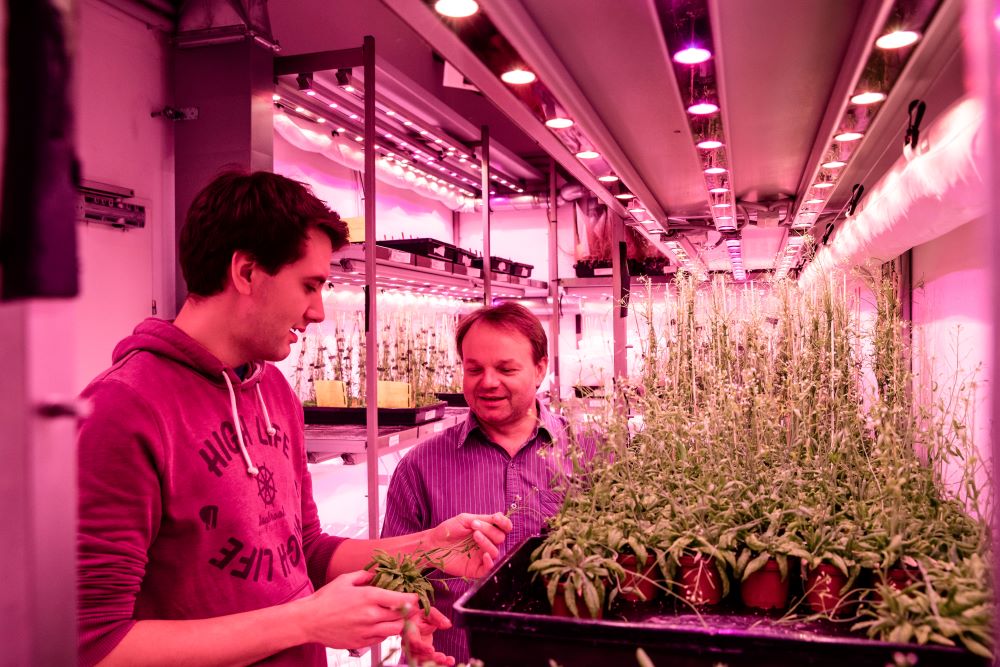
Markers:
point(765, 589)
point(899, 577)
point(823, 585)
point(560, 608)
point(700, 581)
point(636, 582)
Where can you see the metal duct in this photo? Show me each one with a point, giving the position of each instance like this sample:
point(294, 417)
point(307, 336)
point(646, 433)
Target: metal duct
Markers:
point(568, 193)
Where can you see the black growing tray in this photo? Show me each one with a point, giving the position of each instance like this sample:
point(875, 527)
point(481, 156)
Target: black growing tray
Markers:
point(386, 416)
point(506, 615)
point(498, 264)
point(425, 246)
point(454, 400)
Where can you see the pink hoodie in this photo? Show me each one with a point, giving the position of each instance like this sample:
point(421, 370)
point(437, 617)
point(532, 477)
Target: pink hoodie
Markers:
point(173, 524)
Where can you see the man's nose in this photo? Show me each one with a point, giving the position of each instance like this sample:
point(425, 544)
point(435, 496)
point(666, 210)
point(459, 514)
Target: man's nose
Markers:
point(315, 312)
point(490, 378)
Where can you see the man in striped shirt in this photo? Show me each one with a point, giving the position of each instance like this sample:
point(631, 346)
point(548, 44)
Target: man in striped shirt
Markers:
point(505, 457)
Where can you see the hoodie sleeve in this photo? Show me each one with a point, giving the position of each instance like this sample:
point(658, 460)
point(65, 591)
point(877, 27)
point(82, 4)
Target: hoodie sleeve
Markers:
point(119, 457)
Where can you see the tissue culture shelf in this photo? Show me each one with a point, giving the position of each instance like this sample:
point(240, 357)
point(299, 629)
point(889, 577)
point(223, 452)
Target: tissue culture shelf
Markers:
point(398, 269)
point(350, 440)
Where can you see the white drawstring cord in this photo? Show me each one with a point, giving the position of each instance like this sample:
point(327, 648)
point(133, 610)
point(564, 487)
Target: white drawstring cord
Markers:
point(251, 468)
point(263, 406)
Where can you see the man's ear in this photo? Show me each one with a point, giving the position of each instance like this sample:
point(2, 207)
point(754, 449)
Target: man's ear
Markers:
point(541, 368)
point(241, 270)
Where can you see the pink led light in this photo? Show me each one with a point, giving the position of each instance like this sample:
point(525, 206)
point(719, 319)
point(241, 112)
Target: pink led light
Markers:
point(559, 123)
point(897, 39)
point(868, 98)
point(692, 55)
point(848, 136)
point(703, 108)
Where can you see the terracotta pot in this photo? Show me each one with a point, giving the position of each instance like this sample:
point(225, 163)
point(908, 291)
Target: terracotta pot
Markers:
point(560, 608)
point(632, 585)
point(699, 579)
point(764, 589)
point(822, 587)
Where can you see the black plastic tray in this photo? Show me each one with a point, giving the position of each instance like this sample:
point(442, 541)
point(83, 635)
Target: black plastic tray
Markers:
point(521, 270)
point(507, 619)
point(454, 400)
point(425, 246)
point(386, 416)
point(498, 264)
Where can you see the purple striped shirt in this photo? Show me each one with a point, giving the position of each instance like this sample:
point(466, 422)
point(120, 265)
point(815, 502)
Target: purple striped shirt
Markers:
point(460, 470)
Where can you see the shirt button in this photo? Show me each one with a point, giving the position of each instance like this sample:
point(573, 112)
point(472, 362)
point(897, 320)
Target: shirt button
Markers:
point(513, 506)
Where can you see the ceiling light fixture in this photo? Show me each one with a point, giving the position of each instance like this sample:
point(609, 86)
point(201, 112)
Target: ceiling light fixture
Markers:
point(718, 190)
point(607, 178)
point(833, 164)
point(703, 108)
point(635, 209)
point(715, 170)
point(897, 39)
point(823, 184)
point(559, 123)
point(518, 76)
point(456, 9)
point(588, 155)
point(709, 144)
point(692, 55)
point(621, 192)
point(868, 97)
point(848, 136)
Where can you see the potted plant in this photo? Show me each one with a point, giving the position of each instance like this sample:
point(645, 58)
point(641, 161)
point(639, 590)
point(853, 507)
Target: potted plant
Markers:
point(576, 574)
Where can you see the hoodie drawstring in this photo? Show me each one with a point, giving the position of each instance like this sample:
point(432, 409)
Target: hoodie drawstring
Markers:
point(263, 408)
point(251, 468)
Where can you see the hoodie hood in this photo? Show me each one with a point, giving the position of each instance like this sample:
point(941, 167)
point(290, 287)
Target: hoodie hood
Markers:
point(163, 339)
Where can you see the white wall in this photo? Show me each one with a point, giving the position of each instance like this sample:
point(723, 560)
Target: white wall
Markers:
point(121, 77)
point(522, 236)
point(398, 212)
point(952, 317)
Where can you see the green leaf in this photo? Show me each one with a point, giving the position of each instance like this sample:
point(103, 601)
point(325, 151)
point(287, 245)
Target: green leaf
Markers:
point(755, 564)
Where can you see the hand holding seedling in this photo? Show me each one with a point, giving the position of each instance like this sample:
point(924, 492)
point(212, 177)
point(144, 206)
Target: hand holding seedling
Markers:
point(467, 544)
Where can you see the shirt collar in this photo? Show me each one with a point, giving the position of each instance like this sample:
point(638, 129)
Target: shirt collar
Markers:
point(548, 423)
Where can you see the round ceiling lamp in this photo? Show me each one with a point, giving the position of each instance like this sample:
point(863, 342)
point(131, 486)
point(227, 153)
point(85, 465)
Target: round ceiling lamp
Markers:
point(692, 55)
point(518, 76)
point(559, 123)
point(897, 39)
point(456, 9)
point(703, 108)
point(848, 136)
point(709, 144)
point(588, 155)
point(868, 97)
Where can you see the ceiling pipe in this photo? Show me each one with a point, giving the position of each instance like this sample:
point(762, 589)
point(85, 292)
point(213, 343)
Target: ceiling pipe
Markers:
point(511, 19)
